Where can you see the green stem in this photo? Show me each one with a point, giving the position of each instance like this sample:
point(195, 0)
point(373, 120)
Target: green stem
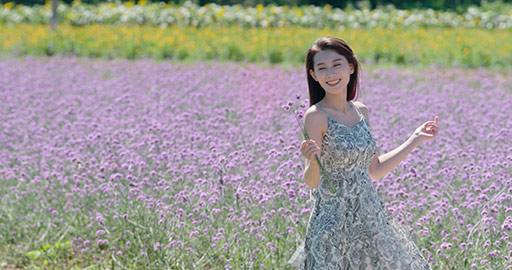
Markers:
point(322, 169)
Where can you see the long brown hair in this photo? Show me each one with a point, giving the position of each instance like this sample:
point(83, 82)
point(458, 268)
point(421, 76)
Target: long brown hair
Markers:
point(316, 92)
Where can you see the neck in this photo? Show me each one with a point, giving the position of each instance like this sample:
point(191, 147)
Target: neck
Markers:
point(337, 102)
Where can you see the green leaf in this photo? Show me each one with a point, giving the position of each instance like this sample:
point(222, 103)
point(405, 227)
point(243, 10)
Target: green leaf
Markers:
point(33, 254)
point(45, 247)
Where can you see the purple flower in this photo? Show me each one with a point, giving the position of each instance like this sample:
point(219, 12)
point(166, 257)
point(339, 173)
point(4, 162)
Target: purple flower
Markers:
point(157, 245)
point(446, 245)
point(104, 137)
point(494, 253)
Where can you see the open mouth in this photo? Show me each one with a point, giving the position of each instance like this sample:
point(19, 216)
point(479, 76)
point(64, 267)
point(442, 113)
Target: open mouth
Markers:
point(333, 83)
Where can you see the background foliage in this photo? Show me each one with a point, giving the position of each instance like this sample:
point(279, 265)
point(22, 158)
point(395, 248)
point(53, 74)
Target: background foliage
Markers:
point(190, 14)
point(446, 47)
point(458, 5)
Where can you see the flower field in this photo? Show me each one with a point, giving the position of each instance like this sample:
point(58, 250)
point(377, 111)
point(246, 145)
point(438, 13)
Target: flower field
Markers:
point(159, 165)
point(441, 46)
point(189, 14)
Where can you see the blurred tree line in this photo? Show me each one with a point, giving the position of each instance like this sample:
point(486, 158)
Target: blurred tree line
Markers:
point(455, 5)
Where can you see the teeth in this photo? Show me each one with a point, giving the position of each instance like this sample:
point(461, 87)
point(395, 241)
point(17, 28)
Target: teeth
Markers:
point(333, 82)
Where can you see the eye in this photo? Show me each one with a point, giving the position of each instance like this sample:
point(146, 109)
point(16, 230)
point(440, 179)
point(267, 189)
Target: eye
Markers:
point(321, 68)
point(337, 65)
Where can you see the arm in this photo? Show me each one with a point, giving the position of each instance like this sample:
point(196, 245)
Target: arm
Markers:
point(312, 173)
point(381, 165)
point(313, 122)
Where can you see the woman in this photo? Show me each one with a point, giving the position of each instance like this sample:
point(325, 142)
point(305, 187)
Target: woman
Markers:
point(349, 228)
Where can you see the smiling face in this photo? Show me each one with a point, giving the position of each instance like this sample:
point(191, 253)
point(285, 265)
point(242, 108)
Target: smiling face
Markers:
point(332, 71)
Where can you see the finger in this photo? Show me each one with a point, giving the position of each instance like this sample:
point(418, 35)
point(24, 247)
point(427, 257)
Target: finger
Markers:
point(427, 128)
point(313, 149)
point(307, 155)
point(305, 143)
point(313, 154)
point(306, 149)
point(310, 147)
point(436, 119)
point(432, 127)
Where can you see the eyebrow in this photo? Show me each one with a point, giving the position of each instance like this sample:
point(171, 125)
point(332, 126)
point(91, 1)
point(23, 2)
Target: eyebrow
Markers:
point(339, 59)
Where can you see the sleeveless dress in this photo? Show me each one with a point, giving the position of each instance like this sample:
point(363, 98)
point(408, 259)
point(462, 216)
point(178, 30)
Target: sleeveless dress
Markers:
point(350, 227)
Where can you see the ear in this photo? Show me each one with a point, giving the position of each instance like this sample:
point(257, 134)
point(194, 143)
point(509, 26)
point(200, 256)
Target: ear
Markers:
point(351, 66)
point(312, 73)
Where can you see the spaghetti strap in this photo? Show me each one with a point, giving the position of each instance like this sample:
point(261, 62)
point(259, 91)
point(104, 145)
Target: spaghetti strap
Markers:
point(361, 115)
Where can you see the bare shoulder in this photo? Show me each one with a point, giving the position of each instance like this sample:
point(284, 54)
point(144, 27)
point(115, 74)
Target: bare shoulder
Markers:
point(314, 112)
point(315, 119)
point(362, 107)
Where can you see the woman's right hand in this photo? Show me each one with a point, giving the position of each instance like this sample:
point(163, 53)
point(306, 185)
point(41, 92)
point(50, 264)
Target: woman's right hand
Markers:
point(309, 149)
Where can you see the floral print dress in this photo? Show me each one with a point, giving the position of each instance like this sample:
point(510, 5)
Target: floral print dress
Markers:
point(350, 227)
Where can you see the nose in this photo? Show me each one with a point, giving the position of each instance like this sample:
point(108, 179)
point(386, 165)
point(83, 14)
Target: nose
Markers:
point(330, 71)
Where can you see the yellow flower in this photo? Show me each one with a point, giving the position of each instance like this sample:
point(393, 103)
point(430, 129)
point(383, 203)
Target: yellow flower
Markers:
point(142, 2)
point(8, 5)
point(129, 4)
point(220, 13)
point(259, 7)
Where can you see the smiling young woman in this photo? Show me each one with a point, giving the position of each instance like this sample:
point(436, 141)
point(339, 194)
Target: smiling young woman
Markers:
point(349, 228)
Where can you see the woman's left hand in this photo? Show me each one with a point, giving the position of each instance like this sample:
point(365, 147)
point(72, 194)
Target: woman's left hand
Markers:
point(427, 131)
